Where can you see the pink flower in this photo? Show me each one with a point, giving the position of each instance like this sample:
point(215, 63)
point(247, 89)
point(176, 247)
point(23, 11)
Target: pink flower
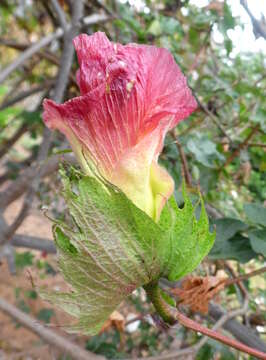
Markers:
point(130, 97)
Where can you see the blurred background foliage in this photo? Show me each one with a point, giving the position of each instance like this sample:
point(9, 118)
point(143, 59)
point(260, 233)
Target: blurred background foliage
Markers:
point(220, 148)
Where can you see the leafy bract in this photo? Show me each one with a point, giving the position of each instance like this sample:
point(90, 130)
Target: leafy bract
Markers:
point(113, 247)
point(189, 239)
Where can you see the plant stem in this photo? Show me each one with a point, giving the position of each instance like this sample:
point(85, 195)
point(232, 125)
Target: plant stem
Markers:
point(171, 315)
point(167, 312)
point(193, 325)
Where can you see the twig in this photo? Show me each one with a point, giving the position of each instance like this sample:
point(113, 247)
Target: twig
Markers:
point(257, 145)
point(60, 14)
point(171, 315)
point(61, 84)
point(49, 336)
point(89, 20)
point(241, 147)
point(183, 159)
point(24, 94)
point(195, 348)
point(95, 19)
point(213, 118)
point(259, 28)
point(220, 323)
point(29, 52)
point(20, 185)
point(46, 54)
point(7, 251)
point(238, 330)
point(7, 144)
point(240, 278)
point(193, 325)
point(35, 243)
point(241, 286)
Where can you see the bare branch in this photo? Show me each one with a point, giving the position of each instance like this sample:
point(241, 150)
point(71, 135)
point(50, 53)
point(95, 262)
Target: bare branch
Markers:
point(241, 147)
point(29, 52)
point(24, 94)
point(61, 84)
point(259, 26)
point(185, 168)
point(193, 325)
point(35, 243)
point(7, 144)
point(94, 19)
point(19, 186)
point(213, 118)
point(60, 14)
point(49, 336)
point(8, 252)
point(240, 332)
point(89, 20)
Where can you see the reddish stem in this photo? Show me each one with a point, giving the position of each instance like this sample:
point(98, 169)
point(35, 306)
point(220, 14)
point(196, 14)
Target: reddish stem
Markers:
point(193, 325)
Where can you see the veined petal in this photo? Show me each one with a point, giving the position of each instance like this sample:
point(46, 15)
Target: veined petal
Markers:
point(131, 96)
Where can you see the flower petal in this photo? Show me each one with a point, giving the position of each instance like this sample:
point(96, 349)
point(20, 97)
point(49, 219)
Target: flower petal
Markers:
point(131, 96)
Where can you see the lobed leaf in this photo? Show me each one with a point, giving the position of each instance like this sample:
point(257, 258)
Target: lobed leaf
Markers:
point(114, 248)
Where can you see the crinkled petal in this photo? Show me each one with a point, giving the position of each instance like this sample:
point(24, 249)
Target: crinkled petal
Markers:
point(131, 96)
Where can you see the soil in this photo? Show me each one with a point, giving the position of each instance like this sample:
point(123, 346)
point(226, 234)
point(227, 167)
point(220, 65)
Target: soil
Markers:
point(17, 342)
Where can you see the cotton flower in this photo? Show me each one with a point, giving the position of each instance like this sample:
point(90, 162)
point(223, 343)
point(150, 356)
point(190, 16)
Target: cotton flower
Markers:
point(131, 96)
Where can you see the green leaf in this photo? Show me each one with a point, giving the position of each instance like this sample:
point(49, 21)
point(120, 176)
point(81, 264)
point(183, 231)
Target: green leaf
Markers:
point(189, 239)
point(3, 90)
point(258, 241)
point(236, 248)
point(256, 213)
point(23, 259)
point(113, 247)
point(6, 114)
point(31, 117)
point(228, 20)
point(229, 244)
point(106, 346)
point(206, 352)
point(226, 228)
point(45, 315)
point(108, 255)
point(155, 28)
point(260, 117)
point(204, 150)
point(164, 25)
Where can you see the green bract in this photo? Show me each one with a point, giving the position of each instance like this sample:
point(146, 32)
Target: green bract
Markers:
point(113, 247)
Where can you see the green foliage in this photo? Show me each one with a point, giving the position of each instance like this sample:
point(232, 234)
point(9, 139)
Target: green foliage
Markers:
point(31, 117)
point(208, 351)
point(45, 315)
point(229, 243)
point(204, 150)
point(256, 213)
point(6, 114)
point(24, 259)
point(105, 344)
point(115, 248)
point(189, 238)
point(258, 241)
point(230, 85)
